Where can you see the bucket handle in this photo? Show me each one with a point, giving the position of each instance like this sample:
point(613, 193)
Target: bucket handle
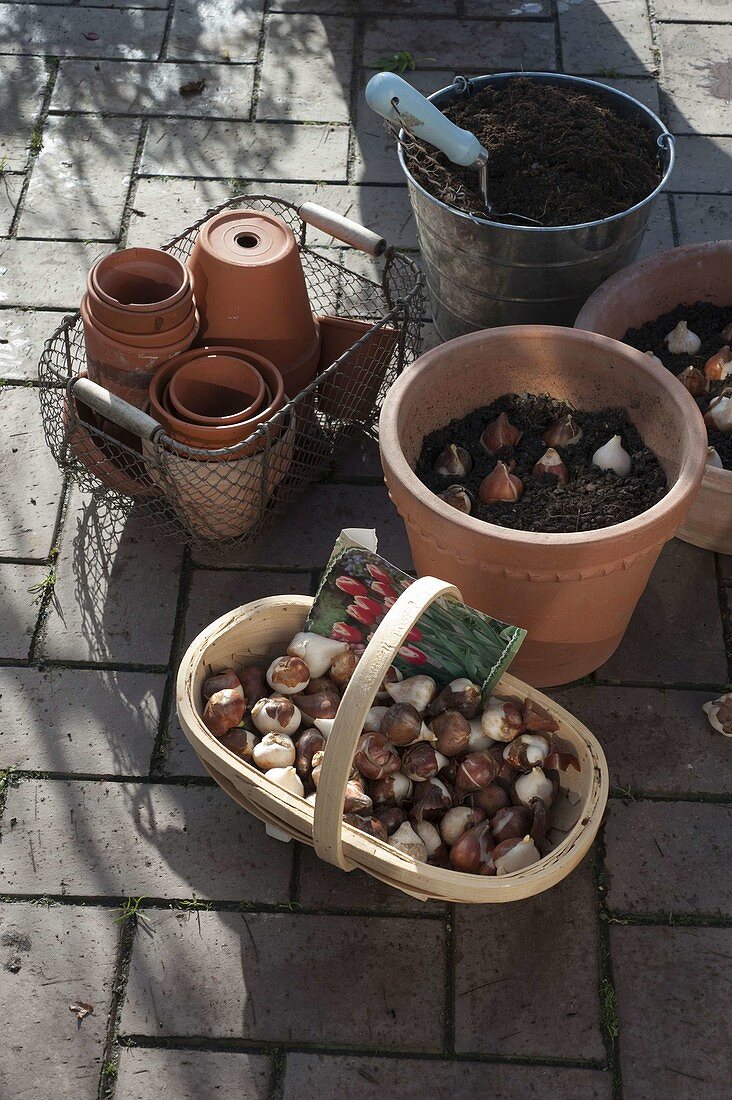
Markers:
point(355, 704)
point(344, 229)
point(113, 408)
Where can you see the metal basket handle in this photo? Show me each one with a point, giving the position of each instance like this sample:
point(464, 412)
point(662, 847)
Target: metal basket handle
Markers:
point(344, 229)
point(113, 408)
point(354, 706)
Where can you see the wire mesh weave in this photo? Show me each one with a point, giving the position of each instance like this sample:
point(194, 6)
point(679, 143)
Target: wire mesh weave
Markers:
point(222, 499)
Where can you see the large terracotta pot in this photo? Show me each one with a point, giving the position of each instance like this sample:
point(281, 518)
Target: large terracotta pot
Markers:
point(694, 273)
point(140, 290)
point(574, 594)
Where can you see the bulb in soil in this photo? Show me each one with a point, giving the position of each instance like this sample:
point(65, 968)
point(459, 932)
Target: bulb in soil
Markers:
point(719, 365)
point(612, 456)
point(500, 485)
point(713, 458)
point(653, 358)
point(681, 341)
point(719, 414)
point(563, 433)
point(695, 382)
point(550, 464)
point(453, 461)
point(457, 497)
point(500, 433)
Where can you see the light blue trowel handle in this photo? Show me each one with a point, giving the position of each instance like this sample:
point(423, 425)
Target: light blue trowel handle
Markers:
point(387, 91)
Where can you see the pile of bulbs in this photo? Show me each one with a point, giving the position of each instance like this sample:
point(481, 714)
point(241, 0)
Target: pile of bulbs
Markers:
point(435, 774)
point(718, 367)
point(502, 484)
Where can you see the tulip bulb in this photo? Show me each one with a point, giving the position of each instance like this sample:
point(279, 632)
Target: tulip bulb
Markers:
point(654, 358)
point(356, 801)
point(461, 695)
point(309, 742)
point(253, 680)
point(453, 461)
point(376, 757)
point(477, 770)
point(526, 750)
point(713, 458)
point(457, 821)
point(680, 341)
point(538, 720)
point(550, 465)
point(420, 762)
point(502, 721)
point(324, 726)
point(431, 839)
point(718, 416)
point(393, 790)
point(321, 704)
point(458, 497)
point(500, 433)
point(408, 842)
point(478, 741)
point(719, 365)
point(514, 855)
point(343, 667)
point(288, 675)
point(276, 715)
point(221, 681)
point(317, 652)
point(500, 485)
point(401, 724)
point(287, 778)
point(372, 724)
point(534, 784)
point(391, 817)
point(452, 731)
point(240, 742)
point(719, 713)
point(612, 456)
point(563, 433)
point(491, 799)
point(695, 382)
point(369, 825)
point(431, 799)
point(275, 750)
point(418, 691)
point(512, 821)
point(471, 852)
point(224, 710)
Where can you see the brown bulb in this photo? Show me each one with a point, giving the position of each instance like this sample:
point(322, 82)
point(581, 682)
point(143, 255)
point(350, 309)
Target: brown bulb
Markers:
point(391, 817)
point(461, 695)
point(254, 683)
point(540, 819)
point(343, 667)
point(458, 497)
point(321, 704)
point(401, 724)
point(511, 821)
point(550, 465)
point(471, 852)
point(356, 800)
point(500, 485)
point(453, 461)
point(695, 382)
point(224, 710)
point(221, 681)
point(309, 742)
point(717, 366)
point(491, 799)
point(376, 757)
point(322, 684)
point(536, 719)
point(369, 825)
point(526, 750)
point(500, 433)
point(452, 731)
point(477, 770)
point(431, 799)
point(419, 762)
point(239, 741)
point(564, 432)
point(392, 791)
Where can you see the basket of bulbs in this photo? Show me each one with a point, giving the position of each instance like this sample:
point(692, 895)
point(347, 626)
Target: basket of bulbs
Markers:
point(435, 790)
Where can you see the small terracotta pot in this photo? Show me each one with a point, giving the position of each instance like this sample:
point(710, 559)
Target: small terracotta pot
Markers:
point(216, 389)
point(251, 290)
point(124, 369)
point(189, 325)
point(214, 437)
point(638, 294)
point(140, 290)
point(574, 594)
point(350, 392)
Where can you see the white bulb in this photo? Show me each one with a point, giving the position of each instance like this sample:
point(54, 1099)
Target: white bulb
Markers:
point(681, 341)
point(713, 458)
point(612, 456)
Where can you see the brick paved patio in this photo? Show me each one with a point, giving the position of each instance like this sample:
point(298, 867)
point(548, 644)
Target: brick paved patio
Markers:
point(250, 968)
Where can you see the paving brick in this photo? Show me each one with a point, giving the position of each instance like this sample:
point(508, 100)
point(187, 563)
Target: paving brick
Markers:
point(22, 83)
point(674, 1005)
point(703, 217)
point(32, 273)
point(356, 7)
point(63, 32)
point(20, 608)
point(517, 9)
point(697, 73)
point(386, 210)
point(703, 11)
point(80, 179)
point(359, 460)
point(335, 506)
point(116, 594)
point(447, 42)
point(703, 164)
point(656, 742)
point(191, 1075)
point(10, 185)
point(506, 975)
point(70, 721)
point(30, 491)
point(52, 958)
point(261, 151)
point(297, 980)
point(217, 30)
point(675, 635)
point(324, 886)
point(131, 839)
point(22, 335)
point(144, 88)
point(312, 1076)
point(162, 208)
point(668, 857)
point(598, 38)
point(645, 91)
point(306, 72)
point(659, 234)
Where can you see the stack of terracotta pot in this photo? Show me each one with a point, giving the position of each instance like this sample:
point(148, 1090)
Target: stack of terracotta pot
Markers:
point(138, 312)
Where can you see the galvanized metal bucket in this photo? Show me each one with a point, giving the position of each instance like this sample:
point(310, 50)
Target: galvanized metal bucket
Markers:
point(483, 273)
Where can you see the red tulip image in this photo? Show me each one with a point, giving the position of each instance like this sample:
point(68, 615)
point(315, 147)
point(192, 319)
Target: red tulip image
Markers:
point(379, 574)
point(370, 605)
point(351, 586)
point(389, 601)
point(412, 655)
point(362, 615)
point(344, 632)
point(415, 635)
point(382, 589)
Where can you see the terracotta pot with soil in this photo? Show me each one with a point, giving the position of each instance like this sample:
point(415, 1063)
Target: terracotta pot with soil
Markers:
point(642, 306)
point(573, 590)
point(251, 292)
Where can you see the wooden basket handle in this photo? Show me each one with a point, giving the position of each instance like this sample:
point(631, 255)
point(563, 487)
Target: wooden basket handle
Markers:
point(355, 704)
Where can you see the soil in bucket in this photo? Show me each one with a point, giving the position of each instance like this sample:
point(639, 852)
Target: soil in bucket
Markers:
point(591, 498)
point(708, 322)
point(556, 154)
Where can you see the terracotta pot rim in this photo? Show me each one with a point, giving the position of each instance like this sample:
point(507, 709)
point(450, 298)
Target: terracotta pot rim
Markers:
point(159, 350)
point(158, 255)
point(148, 340)
point(689, 475)
point(210, 421)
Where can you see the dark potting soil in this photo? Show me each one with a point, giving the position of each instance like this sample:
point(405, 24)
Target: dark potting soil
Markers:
point(707, 321)
point(557, 155)
point(592, 498)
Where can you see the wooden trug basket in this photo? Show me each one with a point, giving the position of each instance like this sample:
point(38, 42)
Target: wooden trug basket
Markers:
point(261, 631)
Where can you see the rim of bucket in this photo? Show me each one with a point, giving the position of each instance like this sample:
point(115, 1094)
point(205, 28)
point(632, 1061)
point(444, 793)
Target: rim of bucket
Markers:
point(664, 139)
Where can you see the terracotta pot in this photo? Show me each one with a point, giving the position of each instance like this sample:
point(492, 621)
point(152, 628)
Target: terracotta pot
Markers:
point(125, 369)
point(189, 325)
point(214, 437)
point(350, 392)
point(694, 273)
point(140, 290)
point(216, 389)
point(251, 289)
point(574, 594)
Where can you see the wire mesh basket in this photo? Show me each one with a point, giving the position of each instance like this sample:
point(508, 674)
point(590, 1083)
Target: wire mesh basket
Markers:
point(222, 499)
